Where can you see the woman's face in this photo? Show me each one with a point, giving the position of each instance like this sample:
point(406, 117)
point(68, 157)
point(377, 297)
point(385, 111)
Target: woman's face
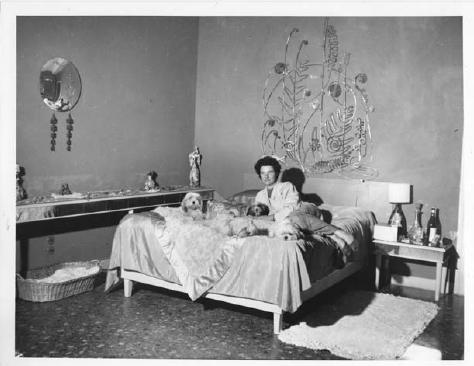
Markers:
point(267, 175)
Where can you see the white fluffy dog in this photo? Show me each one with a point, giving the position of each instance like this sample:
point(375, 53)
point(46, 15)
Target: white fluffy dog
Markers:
point(285, 230)
point(192, 205)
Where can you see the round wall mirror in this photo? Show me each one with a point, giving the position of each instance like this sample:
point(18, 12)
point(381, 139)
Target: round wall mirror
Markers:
point(60, 84)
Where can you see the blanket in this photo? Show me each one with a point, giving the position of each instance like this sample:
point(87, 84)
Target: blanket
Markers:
point(199, 254)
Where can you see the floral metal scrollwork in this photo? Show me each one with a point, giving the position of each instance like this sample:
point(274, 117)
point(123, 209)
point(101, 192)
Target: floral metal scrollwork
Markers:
point(316, 114)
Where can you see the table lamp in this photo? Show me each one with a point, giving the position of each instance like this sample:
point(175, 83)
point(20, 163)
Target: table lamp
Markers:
point(398, 193)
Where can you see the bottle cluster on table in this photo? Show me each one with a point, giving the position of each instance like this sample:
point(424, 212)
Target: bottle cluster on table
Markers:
point(431, 236)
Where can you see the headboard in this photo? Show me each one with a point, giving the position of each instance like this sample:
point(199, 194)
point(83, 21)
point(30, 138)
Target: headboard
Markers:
point(369, 195)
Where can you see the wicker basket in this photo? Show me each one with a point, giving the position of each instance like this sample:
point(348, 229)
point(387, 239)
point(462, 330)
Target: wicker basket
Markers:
point(31, 289)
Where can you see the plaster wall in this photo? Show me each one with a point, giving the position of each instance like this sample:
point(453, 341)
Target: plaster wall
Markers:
point(135, 114)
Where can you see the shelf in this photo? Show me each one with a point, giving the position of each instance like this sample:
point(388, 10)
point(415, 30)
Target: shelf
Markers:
point(103, 204)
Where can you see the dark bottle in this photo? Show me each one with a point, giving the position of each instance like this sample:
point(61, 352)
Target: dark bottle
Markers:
point(431, 227)
point(438, 223)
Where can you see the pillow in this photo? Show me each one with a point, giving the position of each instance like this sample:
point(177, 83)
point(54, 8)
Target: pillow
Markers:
point(245, 197)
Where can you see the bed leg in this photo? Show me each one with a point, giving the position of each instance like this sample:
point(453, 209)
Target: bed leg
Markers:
point(127, 287)
point(378, 270)
point(277, 323)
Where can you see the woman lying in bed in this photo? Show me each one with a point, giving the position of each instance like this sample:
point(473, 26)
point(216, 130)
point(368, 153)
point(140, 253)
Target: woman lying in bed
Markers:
point(293, 217)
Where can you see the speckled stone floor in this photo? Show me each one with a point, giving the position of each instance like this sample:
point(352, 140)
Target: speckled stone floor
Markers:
point(156, 323)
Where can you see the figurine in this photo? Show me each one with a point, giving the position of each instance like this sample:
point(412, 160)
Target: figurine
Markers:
point(65, 189)
point(150, 183)
point(195, 159)
point(20, 191)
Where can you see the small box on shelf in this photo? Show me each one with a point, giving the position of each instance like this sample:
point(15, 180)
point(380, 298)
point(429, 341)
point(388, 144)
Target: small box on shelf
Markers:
point(385, 232)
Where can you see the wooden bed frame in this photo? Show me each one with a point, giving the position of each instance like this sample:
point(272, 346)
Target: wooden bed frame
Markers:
point(319, 286)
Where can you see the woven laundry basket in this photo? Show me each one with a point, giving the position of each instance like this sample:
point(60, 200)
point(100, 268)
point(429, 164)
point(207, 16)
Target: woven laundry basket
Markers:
point(32, 288)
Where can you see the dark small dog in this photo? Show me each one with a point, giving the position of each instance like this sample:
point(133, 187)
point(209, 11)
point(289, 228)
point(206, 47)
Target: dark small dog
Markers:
point(258, 209)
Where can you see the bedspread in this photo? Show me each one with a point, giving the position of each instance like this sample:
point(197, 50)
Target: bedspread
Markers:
point(277, 271)
point(257, 267)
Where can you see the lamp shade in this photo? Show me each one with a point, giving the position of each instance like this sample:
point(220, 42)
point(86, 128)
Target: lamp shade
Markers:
point(399, 193)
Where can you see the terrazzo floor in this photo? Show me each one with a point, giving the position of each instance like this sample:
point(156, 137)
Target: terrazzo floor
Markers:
point(159, 324)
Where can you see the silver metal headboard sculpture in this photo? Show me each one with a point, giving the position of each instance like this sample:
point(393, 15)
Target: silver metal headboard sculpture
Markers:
point(317, 114)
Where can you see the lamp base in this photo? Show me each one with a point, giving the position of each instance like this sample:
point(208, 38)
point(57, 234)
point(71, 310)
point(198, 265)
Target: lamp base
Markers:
point(397, 218)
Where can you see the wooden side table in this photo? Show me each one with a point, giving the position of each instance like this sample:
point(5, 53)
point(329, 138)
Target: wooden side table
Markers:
point(437, 255)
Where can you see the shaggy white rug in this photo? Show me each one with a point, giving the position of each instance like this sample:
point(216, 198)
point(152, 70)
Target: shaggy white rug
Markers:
point(363, 325)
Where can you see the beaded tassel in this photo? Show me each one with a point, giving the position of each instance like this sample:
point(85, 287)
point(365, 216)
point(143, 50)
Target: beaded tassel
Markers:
point(69, 127)
point(54, 128)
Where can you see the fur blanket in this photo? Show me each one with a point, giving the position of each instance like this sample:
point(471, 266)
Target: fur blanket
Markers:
point(308, 220)
point(199, 254)
point(216, 208)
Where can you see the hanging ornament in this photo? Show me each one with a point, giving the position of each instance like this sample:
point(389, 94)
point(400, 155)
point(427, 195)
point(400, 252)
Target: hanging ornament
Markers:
point(60, 89)
point(69, 128)
point(54, 128)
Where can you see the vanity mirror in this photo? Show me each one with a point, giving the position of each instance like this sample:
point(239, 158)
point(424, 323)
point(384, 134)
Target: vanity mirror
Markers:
point(60, 88)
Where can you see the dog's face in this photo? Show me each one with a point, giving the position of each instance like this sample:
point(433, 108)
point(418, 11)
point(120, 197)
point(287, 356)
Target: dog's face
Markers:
point(286, 231)
point(191, 202)
point(258, 209)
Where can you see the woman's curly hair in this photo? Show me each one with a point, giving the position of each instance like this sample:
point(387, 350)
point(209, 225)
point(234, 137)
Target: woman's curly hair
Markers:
point(268, 160)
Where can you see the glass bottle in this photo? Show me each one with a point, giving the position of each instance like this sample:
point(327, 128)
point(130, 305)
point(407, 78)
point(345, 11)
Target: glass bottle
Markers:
point(415, 233)
point(438, 223)
point(431, 227)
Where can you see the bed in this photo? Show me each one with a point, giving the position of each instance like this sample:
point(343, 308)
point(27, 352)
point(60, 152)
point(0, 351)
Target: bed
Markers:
point(260, 272)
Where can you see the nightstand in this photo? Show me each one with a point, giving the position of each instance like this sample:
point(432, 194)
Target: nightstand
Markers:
point(439, 256)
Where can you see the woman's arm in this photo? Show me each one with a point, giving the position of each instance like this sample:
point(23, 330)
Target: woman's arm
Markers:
point(289, 200)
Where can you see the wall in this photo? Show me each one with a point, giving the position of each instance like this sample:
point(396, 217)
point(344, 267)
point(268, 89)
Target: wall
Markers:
point(415, 82)
point(136, 112)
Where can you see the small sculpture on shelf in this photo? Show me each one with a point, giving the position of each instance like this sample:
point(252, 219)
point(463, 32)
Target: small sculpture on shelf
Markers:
point(195, 159)
point(65, 189)
point(150, 183)
point(20, 191)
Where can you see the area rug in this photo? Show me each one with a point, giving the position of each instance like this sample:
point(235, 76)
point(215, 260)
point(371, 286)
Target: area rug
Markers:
point(362, 325)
